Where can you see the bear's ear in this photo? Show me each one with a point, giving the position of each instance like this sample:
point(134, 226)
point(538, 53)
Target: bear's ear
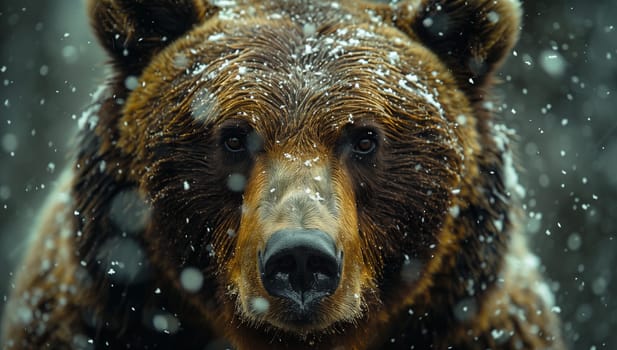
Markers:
point(133, 30)
point(472, 37)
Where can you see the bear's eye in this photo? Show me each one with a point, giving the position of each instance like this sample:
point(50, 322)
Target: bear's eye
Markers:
point(234, 144)
point(364, 146)
point(365, 142)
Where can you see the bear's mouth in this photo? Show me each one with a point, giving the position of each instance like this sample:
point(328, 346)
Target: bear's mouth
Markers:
point(302, 313)
point(300, 268)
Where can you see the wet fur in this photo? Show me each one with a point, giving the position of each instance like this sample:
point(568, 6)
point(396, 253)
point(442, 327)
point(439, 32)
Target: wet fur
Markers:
point(407, 257)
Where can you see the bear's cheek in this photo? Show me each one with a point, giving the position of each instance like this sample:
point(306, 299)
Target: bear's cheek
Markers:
point(313, 208)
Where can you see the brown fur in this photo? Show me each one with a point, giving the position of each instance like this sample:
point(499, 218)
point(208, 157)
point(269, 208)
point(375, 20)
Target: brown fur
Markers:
point(427, 221)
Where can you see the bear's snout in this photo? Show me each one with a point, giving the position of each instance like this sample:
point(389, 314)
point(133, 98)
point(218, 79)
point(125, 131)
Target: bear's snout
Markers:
point(302, 266)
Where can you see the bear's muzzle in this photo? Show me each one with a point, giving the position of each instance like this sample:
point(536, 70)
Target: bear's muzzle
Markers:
point(302, 266)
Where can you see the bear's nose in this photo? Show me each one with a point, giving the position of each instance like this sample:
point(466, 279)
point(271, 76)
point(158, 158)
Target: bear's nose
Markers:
point(300, 265)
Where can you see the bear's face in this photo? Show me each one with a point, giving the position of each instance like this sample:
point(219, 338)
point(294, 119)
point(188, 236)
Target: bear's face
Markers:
point(272, 128)
point(305, 161)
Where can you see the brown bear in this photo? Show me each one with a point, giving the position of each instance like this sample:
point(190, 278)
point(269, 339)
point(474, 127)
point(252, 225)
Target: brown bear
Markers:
point(289, 175)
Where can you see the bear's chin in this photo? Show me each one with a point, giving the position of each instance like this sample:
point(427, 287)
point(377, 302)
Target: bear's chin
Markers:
point(315, 319)
point(303, 329)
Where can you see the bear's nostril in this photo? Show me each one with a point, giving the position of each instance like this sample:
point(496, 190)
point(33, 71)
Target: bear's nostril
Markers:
point(300, 265)
point(282, 264)
point(319, 265)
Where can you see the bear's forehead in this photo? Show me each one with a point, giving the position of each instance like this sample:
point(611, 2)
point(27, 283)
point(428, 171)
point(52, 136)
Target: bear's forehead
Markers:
point(292, 64)
point(315, 11)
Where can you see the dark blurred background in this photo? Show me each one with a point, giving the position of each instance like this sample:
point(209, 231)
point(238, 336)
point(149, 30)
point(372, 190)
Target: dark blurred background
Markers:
point(559, 92)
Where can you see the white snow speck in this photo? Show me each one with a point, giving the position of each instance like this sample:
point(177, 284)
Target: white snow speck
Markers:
point(454, 211)
point(129, 211)
point(316, 196)
point(5, 193)
point(9, 143)
point(493, 17)
point(180, 61)
point(216, 37)
point(236, 182)
point(393, 57)
point(553, 63)
point(199, 69)
point(497, 333)
point(166, 323)
point(224, 3)
point(309, 29)
point(574, 241)
point(228, 13)
point(260, 305)
point(70, 54)
point(461, 119)
point(191, 279)
point(24, 314)
point(131, 82)
point(412, 78)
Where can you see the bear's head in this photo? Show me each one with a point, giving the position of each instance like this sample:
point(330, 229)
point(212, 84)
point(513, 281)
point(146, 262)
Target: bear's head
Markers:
point(308, 167)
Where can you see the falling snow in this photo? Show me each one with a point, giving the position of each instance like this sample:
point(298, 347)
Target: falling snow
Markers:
point(191, 279)
point(557, 93)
